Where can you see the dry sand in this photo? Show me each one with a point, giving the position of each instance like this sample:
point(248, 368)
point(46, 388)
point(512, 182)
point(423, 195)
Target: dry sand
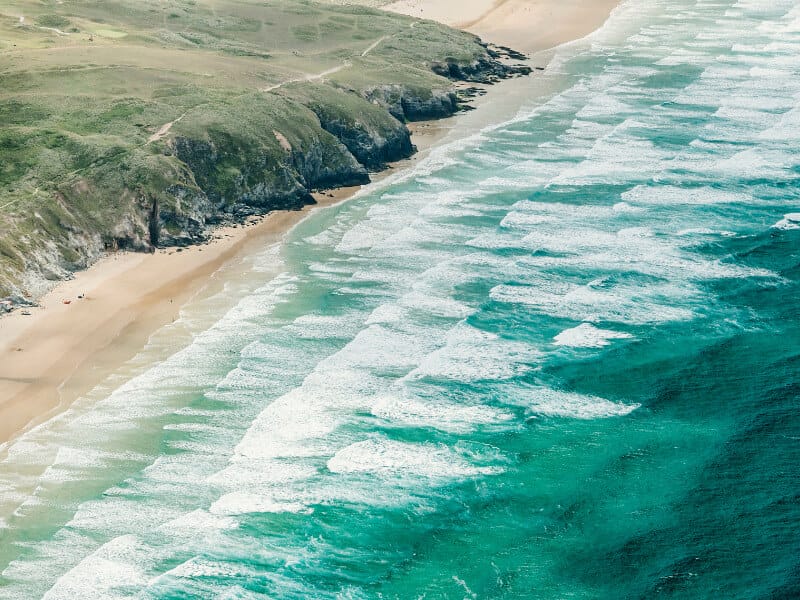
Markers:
point(61, 351)
point(524, 25)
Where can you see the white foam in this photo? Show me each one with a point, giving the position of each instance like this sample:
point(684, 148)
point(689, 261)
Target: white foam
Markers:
point(198, 520)
point(595, 304)
point(604, 105)
point(491, 241)
point(388, 458)
point(672, 195)
point(624, 207)
point(379, 347)
point(704, 231)
point(446, 416)
point(239, 503)
point(102, 575)
point(555, 403)
point(754, 163)
point(190, 427)
point(525, 220)
point(474, 355)
point(285, 426)
point(789, 221)
point(386, 314)
point(363, 236)
point(587, 335)
point(616, 161)
point(436, 305)
point(256, 474)
point(200, 568)
point(116, 513)
point(529, 212)
point(321, 326)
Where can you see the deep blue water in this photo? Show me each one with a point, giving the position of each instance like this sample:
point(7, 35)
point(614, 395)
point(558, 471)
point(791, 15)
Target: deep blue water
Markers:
point(557, 360)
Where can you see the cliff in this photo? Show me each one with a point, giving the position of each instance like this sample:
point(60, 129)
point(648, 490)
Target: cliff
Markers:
point(158, 158)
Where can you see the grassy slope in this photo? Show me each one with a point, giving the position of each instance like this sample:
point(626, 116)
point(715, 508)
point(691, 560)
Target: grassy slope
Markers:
point(84, 84)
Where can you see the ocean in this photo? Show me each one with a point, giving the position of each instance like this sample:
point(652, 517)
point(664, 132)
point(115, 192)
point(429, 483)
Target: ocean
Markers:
point(557, 359)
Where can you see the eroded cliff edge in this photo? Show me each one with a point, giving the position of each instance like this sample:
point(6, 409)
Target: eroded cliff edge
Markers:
point(136, 170)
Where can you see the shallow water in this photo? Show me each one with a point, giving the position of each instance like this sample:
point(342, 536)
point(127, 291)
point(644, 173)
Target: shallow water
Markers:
point(557, 360)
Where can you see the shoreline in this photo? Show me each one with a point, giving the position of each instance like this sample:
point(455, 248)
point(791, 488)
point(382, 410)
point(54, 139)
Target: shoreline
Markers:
point(528, 26)
point(62, 351)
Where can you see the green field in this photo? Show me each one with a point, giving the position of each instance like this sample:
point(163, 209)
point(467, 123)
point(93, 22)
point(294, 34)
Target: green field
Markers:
point(266, 99)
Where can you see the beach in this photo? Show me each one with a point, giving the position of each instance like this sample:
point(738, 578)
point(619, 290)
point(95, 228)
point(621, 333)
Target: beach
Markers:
point(524, 25)
point(60, 351)
point(553, 355)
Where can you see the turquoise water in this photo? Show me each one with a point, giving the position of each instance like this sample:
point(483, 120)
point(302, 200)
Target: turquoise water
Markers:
point(557, 360)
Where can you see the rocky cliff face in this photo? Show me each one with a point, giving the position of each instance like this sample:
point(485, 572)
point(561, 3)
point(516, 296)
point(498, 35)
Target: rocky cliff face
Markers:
point(269, 155)
point(371, 147)
point(229, 181)
point(409, 104)
point(215, 192)
point(482, 70)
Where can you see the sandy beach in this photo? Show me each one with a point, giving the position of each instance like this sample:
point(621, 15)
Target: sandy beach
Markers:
point(524, 25)
point(62, 350)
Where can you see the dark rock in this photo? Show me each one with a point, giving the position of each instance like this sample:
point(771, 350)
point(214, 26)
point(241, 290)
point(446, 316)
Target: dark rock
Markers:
point(482, 70)
point(319, 170)
point(370, 147)
point(9, 303)
point(229, 173)
point(441, 104)
point(504, 52)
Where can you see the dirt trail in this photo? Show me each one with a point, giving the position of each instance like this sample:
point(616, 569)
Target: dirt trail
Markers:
point(163, 130)
point(54, 29)
point(318, 76)
point(311, 77)
point(373, 46)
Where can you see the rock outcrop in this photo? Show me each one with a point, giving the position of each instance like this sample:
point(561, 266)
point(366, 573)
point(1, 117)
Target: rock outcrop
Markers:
point(228, 180)
point(371, 147)
point(249, 155)
point(483, 70)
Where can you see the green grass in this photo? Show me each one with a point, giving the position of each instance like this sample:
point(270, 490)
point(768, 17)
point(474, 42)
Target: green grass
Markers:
point(53, 21)
point(77, 109)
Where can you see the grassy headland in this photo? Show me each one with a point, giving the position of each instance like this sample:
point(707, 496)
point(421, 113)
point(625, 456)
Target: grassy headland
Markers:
point(139, 123)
